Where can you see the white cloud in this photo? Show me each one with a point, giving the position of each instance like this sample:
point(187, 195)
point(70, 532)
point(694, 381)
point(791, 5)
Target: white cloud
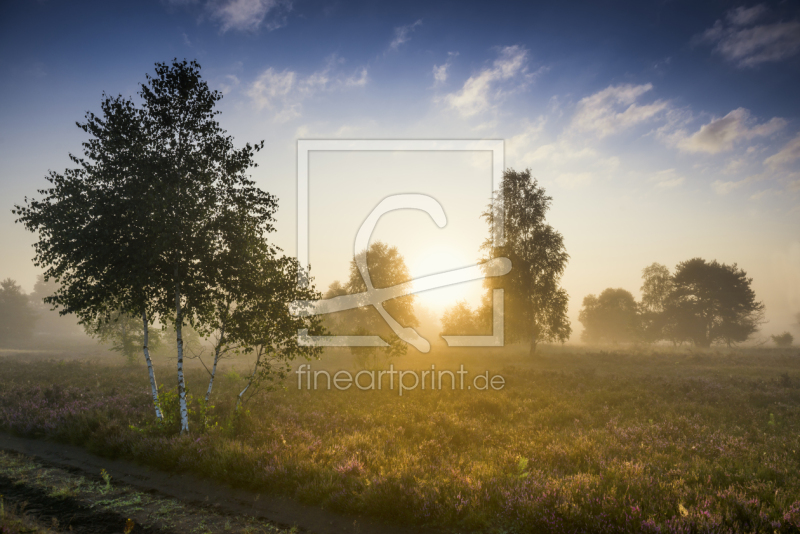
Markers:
point(482, 89)
point(283, 92)
point(440, 71)
point(615, 109)
point(574, 180)
point(249, 15)
point(229, 82)
point(402, 34)
point(789, 153)
point(723, 188)
point(667, 179)
point(721, 134)
point(571, 165)
point(738, 41)
point(517, 145)
point(743, 16)
point(357, 80)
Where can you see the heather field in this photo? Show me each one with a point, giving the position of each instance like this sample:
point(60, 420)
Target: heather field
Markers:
point(638, 440)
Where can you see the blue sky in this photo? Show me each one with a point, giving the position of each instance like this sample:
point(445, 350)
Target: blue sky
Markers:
point(663, 130)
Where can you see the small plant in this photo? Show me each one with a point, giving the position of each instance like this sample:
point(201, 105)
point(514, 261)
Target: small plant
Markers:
point(784, 340)
point(522, 465)
point(107, 477)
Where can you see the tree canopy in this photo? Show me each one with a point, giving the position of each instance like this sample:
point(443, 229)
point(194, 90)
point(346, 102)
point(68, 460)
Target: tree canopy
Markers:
point(387, 268)
point(152, 219)
point(612, 317)
point(712, 302)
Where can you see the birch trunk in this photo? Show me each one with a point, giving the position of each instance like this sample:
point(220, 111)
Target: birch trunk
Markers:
point(178, 332)
point(249, 383)
point(153, 386)
point(216, 360)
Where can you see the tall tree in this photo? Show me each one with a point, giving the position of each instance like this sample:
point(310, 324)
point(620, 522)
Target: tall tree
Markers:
point(95, 224)
point(611, 317)
point(656, 288)
point(202, 179)
point(535, 302)
point(138, 226)
point(712, 302)
point(17, 318)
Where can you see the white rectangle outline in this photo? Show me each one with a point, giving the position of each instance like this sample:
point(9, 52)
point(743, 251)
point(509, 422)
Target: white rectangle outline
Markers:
point(304, 146)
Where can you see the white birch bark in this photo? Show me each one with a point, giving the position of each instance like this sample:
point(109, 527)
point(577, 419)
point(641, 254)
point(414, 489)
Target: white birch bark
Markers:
point(153, 386)
point(178, 331)
point(216, 360)
point(249, 383)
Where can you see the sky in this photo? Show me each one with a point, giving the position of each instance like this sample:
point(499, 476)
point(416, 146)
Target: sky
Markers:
point(662, 130)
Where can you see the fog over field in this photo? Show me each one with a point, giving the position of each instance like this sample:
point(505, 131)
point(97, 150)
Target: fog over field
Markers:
point(346, 266)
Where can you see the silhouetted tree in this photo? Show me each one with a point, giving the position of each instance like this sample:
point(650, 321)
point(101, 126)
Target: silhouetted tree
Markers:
point(784, 340)
point(96, 224)
point(386, 268)
point(140, 224)
point(260, 322)
point(461, 320)
point(17, 319)
point(712, 302)
point(535, 302)
point(255, 283)
point(611, 317)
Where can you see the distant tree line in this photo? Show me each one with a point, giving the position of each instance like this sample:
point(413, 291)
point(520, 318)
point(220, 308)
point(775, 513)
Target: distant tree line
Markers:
point(701, 303)
point(27, 322)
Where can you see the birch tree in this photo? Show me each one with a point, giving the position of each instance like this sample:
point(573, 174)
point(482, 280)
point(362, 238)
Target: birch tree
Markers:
point(136, 225)
point(94, 226)
point(535, 302)
point(201, 179)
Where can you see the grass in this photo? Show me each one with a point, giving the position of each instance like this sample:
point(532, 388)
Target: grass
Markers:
point(128, 505)
point(577, 441)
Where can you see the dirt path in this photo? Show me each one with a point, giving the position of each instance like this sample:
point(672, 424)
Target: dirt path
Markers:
point(190, 489)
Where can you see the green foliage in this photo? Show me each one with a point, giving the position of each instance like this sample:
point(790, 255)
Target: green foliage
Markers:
point(160, 220)
point(535, 302)
point(711, 302)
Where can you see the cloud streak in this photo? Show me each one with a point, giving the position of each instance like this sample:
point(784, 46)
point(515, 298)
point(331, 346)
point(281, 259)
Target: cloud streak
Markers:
point(283, 92)
point(722, 134)
point(740, 41)
point(614, 109)
point(402, 34)
point(249, 15)
point(482, 90)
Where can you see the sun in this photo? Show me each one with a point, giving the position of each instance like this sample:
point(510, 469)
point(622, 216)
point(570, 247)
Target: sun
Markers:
point(442, 259)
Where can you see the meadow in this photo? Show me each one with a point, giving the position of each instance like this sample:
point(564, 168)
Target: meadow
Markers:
point(641, 439)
